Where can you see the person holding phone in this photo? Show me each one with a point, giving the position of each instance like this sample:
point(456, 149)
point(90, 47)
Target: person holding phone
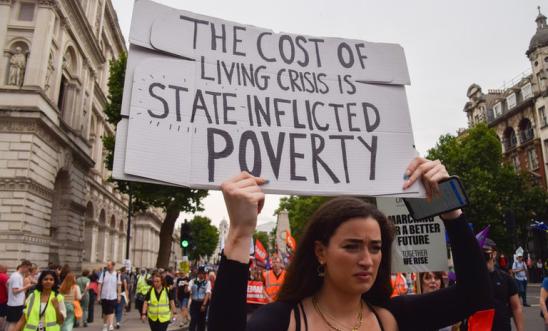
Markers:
point(339, 278)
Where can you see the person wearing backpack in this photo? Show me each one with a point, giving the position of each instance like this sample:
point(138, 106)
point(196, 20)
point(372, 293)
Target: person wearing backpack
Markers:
point(110, 294)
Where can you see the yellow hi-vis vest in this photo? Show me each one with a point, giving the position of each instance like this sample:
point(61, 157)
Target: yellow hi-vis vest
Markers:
point(142, 286)
point(158, 309)
point(32, 313)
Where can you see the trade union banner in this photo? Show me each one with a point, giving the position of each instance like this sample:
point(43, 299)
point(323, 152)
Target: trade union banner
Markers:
point(205, 98)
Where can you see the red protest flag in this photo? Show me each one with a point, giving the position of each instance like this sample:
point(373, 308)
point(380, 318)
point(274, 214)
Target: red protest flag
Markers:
point(291, 243)
point(260, 252)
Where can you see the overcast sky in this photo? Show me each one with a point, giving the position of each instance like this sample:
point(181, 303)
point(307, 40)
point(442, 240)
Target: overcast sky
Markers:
point(448, 45)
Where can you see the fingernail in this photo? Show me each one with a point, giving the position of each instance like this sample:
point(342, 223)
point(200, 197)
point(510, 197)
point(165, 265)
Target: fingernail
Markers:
point(266, 181)
point(405, 176)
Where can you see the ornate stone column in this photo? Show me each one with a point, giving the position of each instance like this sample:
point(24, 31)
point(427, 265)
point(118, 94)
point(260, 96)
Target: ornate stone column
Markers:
point(37, 61)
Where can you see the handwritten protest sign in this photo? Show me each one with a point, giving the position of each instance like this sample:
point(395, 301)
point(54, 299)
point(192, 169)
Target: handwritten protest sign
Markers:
point(207, 98)
point(418, 245)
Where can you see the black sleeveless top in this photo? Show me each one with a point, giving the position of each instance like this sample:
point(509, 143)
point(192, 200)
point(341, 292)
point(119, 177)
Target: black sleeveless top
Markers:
point(298, 309)
point(444, 307)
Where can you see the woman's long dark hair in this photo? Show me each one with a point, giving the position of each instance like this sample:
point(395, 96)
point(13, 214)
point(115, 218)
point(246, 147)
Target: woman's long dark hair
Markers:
point(43, 274)
point(302, 278)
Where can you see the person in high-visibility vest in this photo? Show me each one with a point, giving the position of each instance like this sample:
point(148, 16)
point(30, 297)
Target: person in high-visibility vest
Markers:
point(45, 308)
point(399, 284)
point(142, 289)
point(273, 279)
point(159, 305)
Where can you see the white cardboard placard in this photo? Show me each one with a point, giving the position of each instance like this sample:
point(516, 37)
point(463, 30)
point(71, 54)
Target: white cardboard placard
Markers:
point(338, 128)
point(418, 246)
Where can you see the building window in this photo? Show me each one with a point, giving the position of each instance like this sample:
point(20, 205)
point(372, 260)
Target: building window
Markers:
point(546, 147)
point(542, 117)
point(526, 132)
point(532, 158)
point(515, 162)
point(509, 139)
point(511, 101)
point(497, 109)
point(541, 78)
point(527, 91)
point(26, 12)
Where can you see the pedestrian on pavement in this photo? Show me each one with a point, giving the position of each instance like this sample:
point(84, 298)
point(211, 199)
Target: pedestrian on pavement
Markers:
point(3, 295)
point(45, 309)
point(65, 269)
point(31, 278)
point(519, 269)
point(93, 292)
point(142, 289)
point(212, 277)
point(200, 292)
point(71, 293)
point(183, 297)
point(274, 278)
point(539, 269)
point(159, 305)
point(123, 302)
point(339, 277)
point(503, 262)
point(16, 293)
point(507, 304)
point(543, 301)
point(110, 294)
point(431, 282)
point(83, 283)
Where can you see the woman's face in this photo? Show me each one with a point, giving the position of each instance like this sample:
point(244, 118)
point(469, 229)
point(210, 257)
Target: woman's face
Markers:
point(430, 283)
point(353, 255)
point(47, 282)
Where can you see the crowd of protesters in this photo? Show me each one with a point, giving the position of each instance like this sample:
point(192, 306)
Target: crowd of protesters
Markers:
point(56, 298)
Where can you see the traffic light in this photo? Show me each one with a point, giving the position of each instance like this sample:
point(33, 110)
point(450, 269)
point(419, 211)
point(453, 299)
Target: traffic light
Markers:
point(186, 237)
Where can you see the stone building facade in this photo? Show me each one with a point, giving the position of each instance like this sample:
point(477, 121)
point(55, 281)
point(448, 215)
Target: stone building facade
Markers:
point(55, 201)
point(518, 112)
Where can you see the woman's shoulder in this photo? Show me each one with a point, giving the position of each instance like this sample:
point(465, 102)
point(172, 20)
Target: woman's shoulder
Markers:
point(386, 318)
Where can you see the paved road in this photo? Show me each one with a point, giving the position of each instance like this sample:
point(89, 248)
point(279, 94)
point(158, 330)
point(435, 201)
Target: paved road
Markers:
point(130, 322)
point(532, 318)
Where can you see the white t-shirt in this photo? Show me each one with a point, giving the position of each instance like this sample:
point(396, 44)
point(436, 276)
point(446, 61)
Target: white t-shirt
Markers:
point(520, 275)
point(199, 293)
point(109, 285)
point(16, 281)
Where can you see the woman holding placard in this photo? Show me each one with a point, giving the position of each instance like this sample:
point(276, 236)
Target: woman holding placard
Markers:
point(339, 278)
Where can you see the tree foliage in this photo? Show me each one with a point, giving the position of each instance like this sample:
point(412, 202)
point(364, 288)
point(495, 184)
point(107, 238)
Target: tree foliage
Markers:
point(172, 200)
point(204, 237)
point(494, 188)
point(299, 209)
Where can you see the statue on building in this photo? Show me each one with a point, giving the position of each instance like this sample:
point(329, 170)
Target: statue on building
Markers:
point(18, 62)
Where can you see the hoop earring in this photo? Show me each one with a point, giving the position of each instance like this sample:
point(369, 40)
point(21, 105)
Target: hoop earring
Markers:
point(321, 270)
